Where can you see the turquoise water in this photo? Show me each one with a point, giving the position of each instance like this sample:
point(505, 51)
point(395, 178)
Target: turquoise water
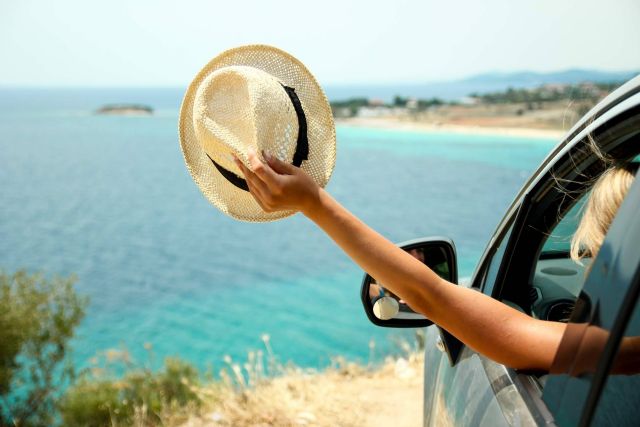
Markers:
point(109, 199)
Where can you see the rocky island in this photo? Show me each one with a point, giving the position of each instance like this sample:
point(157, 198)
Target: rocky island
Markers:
point(125, 110)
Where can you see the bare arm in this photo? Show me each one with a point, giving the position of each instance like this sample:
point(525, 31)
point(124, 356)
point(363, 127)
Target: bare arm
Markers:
point(486, 325)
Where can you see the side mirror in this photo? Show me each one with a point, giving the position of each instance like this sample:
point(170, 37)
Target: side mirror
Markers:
point(384, 308)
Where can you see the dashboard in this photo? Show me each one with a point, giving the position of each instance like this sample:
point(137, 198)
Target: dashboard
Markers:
point(557, 282)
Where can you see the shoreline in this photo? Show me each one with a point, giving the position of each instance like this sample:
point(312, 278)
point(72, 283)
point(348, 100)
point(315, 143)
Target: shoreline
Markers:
point(395, 124)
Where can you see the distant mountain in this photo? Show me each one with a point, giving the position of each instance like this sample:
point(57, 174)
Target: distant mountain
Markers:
point(481, 83)
point(526, 78)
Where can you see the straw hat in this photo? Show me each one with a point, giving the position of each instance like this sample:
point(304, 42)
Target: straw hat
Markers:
point(386, 308)
point(254, 97)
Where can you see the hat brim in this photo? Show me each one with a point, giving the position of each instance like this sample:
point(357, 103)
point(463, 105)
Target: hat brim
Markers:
point(231, 200)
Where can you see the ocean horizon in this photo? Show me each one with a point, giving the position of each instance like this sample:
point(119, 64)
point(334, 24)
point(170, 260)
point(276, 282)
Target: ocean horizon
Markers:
point(449, 90)
point(109, 199)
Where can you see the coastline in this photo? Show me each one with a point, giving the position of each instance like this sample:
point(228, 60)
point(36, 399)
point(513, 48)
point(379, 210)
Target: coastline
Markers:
point(391, 123)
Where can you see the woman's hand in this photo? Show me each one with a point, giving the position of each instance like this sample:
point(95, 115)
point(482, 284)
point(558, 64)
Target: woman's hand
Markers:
point(278, 186)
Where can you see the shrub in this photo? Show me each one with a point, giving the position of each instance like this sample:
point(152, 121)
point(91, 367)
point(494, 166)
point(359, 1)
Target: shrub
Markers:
point(94, 403)
point(140, 397)
point(37, 319)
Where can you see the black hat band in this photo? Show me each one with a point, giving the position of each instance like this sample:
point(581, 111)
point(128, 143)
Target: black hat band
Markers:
point(302, 144)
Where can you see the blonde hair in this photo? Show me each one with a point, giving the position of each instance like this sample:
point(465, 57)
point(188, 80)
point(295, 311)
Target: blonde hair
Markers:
point(606, 197)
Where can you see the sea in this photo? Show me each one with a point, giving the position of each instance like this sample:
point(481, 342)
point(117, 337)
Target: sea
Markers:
point(109, 200)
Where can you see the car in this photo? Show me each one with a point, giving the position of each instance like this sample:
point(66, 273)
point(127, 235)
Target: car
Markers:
point(526, 264)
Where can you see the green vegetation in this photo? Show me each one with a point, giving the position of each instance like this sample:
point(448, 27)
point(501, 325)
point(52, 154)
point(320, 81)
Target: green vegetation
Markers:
point(419, 104)
point(549, 93)
point(348, 108)
point(39, 386)
point(38, 383)
point(37, 320)
point(141, 397)
point(535, 98)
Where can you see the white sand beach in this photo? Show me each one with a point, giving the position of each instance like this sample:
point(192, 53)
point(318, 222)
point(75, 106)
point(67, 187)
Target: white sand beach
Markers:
point(394, 123)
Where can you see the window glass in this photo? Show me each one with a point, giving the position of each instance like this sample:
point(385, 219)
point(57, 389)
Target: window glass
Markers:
point(494, 265)
point(557, 279)
point(559, 239)
point(619, 403)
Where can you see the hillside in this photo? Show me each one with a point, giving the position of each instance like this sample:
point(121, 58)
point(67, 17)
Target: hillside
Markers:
point(481, 83)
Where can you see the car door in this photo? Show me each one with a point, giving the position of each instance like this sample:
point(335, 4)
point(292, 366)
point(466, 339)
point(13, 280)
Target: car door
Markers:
point(473, 390)
point(461, 386)
point(604, 324)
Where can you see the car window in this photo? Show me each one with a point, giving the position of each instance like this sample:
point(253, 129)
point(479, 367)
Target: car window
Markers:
point(619, 400)
point(494, 264)
point(557, 279)
point(558, 242)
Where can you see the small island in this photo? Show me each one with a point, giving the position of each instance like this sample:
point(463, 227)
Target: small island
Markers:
point(125, 110)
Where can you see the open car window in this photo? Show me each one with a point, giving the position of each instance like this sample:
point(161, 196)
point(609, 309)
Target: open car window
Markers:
point(557, 279)
point(558, 241)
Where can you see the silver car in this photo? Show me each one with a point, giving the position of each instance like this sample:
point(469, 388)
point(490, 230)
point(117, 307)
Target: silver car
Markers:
point(526, 265)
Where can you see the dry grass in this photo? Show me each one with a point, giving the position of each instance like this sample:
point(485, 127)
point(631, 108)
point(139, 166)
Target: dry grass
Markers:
point(345, 394)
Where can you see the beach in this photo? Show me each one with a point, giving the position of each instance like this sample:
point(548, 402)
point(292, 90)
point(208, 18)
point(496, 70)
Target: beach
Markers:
point(404, 124)
point(515, 119)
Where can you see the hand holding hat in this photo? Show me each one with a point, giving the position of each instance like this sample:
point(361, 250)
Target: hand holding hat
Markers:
point(277, 185)
point(255, 99)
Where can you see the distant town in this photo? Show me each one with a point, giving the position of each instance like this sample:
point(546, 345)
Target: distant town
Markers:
point(549, 106)
point(536, 98)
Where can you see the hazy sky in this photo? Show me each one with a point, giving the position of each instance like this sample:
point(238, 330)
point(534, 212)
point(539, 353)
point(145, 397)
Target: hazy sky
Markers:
point(164, 43)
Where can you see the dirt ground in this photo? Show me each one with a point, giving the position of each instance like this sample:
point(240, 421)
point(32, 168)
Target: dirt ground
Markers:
point(393, 401)
point(349, 396)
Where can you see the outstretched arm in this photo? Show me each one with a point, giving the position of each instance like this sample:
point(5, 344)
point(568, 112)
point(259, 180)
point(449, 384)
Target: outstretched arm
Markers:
point(486, 325)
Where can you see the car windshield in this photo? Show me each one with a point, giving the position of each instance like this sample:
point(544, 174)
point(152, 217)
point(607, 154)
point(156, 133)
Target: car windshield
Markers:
point(558, 242)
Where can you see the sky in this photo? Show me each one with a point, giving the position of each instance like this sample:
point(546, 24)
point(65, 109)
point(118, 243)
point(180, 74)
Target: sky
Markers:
point(158, 43)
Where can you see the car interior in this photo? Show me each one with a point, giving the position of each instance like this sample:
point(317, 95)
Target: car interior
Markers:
point(548, 219)
point(539, 277)
point(557, 279)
